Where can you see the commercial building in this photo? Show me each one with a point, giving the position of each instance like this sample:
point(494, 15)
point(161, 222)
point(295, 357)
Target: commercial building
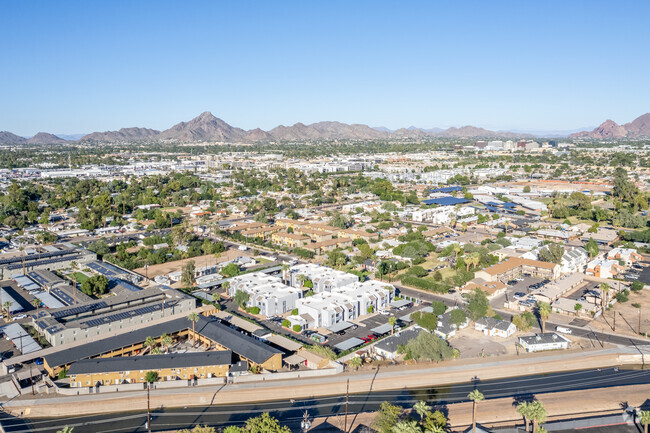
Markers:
point(133, 369)
point(92, 319)
point(58, 256)
point(211, 335)
point(541, 342)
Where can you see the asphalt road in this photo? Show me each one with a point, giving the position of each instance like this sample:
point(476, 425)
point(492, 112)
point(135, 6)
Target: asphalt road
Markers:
point(291, 412)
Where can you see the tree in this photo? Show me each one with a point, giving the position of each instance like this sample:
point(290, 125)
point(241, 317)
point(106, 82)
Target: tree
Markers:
point(7, 306)
point(604, 288)
point(428, 321)
point(527, 189)
point(478, 305)
point(151, 377)
point(285, 270)
point(524, 321)
point(230, 270)
point(552, 253)
point(265, 424)
point(206, 429)
point(392, 321)
point(95, 285)
point(644, 419)
point(150, 342)
point(166, 341)
point(355, 362)
point(65, 429)
point(241, 298)
point(543, 311)
point(188, 272)
point(37, 303)
point(537, 414)
point(386, 417)
point(407, 426)
point(428, 347)
point(457, 317)
point(421, 408)
point(592, 248)
point(577, 307)
point(523, 409)
point(475, 396)
point(193, 317)
point(301, 279)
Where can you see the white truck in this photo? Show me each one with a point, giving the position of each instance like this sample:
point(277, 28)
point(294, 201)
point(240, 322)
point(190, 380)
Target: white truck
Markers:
point(562, 330)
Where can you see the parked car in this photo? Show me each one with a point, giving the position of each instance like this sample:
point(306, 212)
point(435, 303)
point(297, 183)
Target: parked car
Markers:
point(563, 330)
point(384, 312)
point(519, 295)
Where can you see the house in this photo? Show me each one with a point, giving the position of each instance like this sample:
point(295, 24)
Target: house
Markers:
point(574, 260)
point(445, 328)
point(491, 288)
point(541, 342)
point(388, 347)
point(494, 327)
point(568, 306)
point(261, 232)
point(627, 255)
point(604, 268)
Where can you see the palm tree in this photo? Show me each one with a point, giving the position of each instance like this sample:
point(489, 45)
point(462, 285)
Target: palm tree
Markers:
point(37, 303)
point(604, 288)
point(7, 305)
point(524, 410)
point(475, 396)
point(193, 317)
point(577, 307)
point(457, 250)
point(150, 342)
point(421, 408)
point(285, 268)
point(408, 426)
point(435, 429)
point(216, 297)
point(392, 321)
point(537, 413)
point(544, 310)
point(355, 362)
point(340, 261)
point(225, 285)
point(644, 419)
point(166, 341)
point(301, 279)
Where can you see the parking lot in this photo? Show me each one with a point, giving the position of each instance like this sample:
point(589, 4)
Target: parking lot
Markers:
point(520, 287)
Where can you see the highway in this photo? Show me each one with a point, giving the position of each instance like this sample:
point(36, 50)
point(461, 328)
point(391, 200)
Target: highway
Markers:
point(291, 412)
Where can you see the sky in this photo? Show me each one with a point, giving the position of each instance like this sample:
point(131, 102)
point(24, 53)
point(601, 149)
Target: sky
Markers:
point(84, 66)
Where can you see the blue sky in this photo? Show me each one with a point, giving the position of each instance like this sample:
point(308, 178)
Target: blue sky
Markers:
point(82, 66)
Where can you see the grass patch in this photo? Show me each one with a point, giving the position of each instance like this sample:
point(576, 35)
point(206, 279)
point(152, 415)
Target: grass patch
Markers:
point(81, 277)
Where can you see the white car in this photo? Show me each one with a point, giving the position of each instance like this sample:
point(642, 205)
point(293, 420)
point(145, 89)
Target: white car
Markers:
point(384, 312)
point(20, 316)
point(563, 330)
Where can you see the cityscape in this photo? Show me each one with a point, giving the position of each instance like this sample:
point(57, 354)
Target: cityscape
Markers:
point(195, 274)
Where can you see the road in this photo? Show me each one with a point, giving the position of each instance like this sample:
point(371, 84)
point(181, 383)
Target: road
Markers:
point(290, 412)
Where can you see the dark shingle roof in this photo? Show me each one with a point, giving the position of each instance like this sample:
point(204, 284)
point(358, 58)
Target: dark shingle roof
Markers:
point(221, 334)
point(151, 362)
point(390, 344)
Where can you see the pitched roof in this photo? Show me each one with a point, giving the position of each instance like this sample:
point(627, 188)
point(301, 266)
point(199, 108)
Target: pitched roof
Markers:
point(151, 362)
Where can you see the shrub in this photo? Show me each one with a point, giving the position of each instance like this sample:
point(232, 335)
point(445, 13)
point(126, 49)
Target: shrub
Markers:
point(637, 286)
point(296, 328)
point(294, 311)
point(255, 310)
point(623, 296)
point(286, 323)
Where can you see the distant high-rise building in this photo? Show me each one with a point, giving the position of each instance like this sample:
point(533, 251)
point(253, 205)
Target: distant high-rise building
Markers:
point(552, 143)
point(481, 144)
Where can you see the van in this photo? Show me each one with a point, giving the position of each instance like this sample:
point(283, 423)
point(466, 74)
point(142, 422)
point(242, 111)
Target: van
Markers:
point(563, 330)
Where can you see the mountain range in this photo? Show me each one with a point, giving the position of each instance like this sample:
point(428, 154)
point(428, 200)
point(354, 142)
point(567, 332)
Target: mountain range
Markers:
point(638, 128)
point(208, 128)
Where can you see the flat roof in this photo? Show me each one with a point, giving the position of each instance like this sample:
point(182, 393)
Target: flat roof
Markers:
point(446, 201)
point(340, 326)
point(382, 329)
point(349, 344)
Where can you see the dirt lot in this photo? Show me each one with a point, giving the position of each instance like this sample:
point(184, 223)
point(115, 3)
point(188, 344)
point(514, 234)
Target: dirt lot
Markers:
point(166, 268)
point(559, 185)
point(627, 315)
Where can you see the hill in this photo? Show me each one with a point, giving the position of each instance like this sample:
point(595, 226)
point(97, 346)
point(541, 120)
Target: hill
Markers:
point(123, 135)
point(7, 138)
point(638, 128)
point(45, 138)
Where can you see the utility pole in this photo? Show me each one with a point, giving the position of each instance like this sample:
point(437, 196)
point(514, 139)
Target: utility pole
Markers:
point(31, 377)
point(347, 396)
point(148, 410)
point(639, 321)
point(614, 321)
